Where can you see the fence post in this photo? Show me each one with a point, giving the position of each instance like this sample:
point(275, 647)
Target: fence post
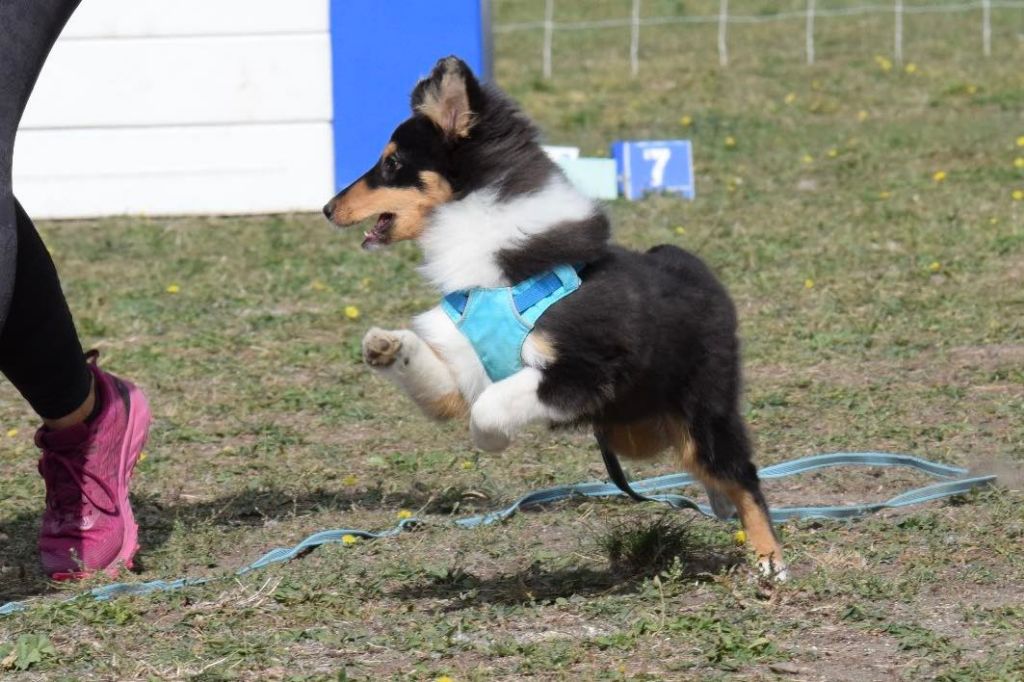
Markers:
point(723, 21)
point(810, 31)
point(634, 41)
point(897, 47)
point(549, 28)
point(986, 27)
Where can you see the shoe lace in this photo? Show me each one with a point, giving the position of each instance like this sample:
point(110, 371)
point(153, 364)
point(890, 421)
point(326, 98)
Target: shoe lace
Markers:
point(70, 490)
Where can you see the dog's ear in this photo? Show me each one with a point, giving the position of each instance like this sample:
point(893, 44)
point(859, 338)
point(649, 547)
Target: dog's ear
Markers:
point(447, 97)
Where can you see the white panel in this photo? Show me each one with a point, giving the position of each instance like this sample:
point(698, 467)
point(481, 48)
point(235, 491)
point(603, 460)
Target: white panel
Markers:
point(176, 81)
point(134, 18)
point(162, 171)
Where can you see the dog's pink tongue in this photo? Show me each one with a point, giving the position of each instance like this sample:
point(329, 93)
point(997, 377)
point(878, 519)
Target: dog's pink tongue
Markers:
point(371, 241)
point(375, 238)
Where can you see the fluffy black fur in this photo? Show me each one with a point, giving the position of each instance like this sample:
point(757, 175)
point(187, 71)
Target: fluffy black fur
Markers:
point(652, 334)
point(502, 152)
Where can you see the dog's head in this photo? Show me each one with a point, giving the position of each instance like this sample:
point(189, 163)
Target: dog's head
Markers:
point(415, 172)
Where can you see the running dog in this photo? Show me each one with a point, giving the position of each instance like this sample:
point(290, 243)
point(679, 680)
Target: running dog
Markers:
point(543, 319)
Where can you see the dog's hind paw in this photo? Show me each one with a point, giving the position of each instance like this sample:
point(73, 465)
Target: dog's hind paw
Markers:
point(380, 348)
point(772, 569)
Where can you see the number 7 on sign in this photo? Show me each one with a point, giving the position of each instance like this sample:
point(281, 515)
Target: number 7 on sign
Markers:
point(660, 157)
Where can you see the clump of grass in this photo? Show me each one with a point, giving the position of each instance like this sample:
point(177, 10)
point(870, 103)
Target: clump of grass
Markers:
point(645, 548)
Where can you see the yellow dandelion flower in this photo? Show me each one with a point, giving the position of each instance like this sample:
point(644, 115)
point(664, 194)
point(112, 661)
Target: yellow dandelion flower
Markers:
point(404, 514)
point(884, 194)
point(862, 115)
point(1018, 195)
point(444, 678)
point(142, 456)
point(833, 153)
point(790, 98)
point(993, 221)
point(352, 312)
point(730, 141)
point(808, 283)
point(349, 539)
point(935, 266)
point(740, 537)
point(884, 63)
point(1018, 162)
point(349, 480)
point(11, 433)
point(939, 176)
point(971, 89)
point(1020, 141)
point(807, 158)
point(680, 230)
point(317, 285)
point(173, 288)
point(686, 121)
point(910, 68)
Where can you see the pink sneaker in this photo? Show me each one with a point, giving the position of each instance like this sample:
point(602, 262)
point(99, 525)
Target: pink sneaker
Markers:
point(88, 524)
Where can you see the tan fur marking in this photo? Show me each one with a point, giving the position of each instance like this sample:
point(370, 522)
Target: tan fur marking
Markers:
point(643, 439)
point(449, 406)
point(411, 205)
point(389, 149)
point(447, 105)
point(543, 346)
point(755, 522)
point(649, 437)
point(409, 223)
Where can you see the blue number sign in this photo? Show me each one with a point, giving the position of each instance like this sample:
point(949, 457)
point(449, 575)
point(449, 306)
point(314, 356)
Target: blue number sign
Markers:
point(654, 166)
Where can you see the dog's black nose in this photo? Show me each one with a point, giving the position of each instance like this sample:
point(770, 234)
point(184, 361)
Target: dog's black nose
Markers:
point(328, 209)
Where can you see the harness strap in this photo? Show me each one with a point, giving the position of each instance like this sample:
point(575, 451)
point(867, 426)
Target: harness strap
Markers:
point(537, 292)
point(546, 285)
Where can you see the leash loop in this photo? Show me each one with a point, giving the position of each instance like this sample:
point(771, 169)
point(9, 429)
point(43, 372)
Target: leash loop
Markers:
point(956, 483)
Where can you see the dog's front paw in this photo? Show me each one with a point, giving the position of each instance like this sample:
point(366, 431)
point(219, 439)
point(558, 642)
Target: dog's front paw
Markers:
point(381, 348)
point(485, 424)
point(488, 441)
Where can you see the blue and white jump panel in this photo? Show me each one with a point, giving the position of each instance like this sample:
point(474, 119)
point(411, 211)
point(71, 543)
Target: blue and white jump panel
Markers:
point(654, 166)
point(225, 106)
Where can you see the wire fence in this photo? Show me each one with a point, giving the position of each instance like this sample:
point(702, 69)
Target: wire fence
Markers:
point(724, 19)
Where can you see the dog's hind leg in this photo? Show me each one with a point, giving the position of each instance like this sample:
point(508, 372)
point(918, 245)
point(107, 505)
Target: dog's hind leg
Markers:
point(413, 366)
point(718, 453)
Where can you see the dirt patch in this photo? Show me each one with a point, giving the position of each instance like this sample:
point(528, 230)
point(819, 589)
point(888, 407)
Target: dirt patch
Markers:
point(839, 653)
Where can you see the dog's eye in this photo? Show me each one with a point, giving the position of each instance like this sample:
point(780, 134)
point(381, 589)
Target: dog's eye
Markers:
point(391, 164)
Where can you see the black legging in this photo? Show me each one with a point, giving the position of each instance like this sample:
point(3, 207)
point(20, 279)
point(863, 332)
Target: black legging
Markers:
point(39, 348)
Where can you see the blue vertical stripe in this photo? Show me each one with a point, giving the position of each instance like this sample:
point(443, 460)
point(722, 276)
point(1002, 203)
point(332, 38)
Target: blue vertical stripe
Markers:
point(378, 51)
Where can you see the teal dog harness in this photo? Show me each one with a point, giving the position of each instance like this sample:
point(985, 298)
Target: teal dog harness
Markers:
point(497, 321)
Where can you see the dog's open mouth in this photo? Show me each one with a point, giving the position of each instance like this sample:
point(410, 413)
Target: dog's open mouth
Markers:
point(380, 234)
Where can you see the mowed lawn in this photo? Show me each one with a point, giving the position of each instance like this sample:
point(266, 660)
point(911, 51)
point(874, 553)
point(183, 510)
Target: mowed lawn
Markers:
point(863, 214)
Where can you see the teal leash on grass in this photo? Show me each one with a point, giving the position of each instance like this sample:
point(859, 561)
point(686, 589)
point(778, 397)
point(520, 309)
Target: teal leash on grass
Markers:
point(957, 482)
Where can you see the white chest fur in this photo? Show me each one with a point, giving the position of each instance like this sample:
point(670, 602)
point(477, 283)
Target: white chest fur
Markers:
point(462, 242)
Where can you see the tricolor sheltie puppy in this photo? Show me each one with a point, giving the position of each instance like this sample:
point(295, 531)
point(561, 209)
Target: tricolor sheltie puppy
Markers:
point(644, 351)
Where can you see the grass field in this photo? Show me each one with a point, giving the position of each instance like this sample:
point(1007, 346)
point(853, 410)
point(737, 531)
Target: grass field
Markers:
point(864, 218)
